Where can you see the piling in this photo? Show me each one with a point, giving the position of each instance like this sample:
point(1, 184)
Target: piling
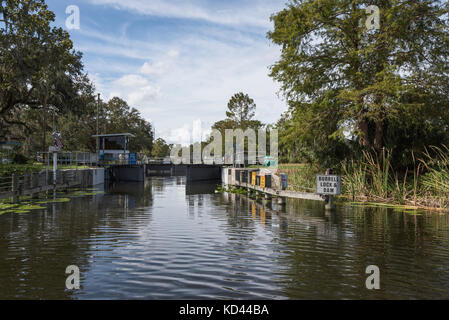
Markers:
point(330, 205)
point(15, 188)
point(282, 201)
point(34, 184)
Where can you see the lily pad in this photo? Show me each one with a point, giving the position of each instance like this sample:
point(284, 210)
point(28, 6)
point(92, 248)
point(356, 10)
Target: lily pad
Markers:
point(14, 211)
point(5, 206)
point(58, 200)
point(84, 193)
point(28, 207)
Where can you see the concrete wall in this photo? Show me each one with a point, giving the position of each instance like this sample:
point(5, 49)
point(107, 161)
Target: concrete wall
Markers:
point(96, 176)
point(164, 169)
point(127, 173)
point(203, 173)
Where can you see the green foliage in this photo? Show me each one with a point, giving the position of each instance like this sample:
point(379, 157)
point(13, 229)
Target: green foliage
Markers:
point(301, 177)
point(240, 115)
point(119, 117)
point(160, 149)
point(435, 181)
point(43, 87)
point(241, 110)
point(18, 158)
point(38, 65)
point(350, 89)
point(7, 170)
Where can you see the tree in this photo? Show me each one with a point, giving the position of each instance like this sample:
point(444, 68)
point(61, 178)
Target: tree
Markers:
point(37, 62)
point(240, 115)
point(120, 118)
point(160, 149)
point(380, 88)
point(241, 109)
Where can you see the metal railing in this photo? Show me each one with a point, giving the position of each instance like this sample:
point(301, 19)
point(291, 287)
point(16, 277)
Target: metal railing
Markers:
point(72, 159)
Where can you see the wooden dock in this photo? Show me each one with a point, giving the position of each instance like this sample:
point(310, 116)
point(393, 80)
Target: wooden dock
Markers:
point(236, 177)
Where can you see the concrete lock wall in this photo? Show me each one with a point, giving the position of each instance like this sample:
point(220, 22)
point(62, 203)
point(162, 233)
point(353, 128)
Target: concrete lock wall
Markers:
point(96, 176)
point(203, 173)
point(130, 173)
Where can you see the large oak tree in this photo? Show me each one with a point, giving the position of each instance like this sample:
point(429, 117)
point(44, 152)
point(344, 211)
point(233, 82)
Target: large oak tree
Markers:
point(385, 87)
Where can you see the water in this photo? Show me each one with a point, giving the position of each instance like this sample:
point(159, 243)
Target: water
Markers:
point(161, 240)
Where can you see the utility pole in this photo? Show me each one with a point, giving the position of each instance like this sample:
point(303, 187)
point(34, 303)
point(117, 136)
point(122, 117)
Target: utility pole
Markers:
point(98, 115)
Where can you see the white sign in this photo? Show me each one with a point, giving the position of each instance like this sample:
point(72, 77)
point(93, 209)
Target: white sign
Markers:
point(54, 149)
point(330, 185)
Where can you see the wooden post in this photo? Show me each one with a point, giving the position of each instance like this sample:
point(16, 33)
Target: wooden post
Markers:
point(329, 198)
point(34, 184)
point(282, 201)
point(15, 188)
point(55, 167)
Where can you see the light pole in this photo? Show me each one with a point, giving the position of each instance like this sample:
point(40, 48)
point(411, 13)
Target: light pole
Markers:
point(98, 116)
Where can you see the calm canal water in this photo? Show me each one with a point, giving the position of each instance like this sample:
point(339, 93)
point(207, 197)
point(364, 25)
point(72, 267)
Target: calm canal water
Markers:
point(163, 240)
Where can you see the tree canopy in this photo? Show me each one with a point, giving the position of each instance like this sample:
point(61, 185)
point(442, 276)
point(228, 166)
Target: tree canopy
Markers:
point(161, 149)
point(43, 86)
point(350, 88)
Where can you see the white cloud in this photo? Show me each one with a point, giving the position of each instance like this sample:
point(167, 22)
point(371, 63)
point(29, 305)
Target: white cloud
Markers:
point(189, 75)
point(160, 67)
point(135, 89)
point(251, 13)
point(187, 133)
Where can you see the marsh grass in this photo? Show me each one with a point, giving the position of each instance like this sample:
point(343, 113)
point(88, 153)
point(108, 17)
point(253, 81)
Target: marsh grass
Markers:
point(373, 179)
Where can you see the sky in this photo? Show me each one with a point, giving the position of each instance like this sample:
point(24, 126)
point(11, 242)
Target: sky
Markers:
point(178, 61)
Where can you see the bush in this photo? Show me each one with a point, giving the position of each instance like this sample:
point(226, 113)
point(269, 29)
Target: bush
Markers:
point(19, 158)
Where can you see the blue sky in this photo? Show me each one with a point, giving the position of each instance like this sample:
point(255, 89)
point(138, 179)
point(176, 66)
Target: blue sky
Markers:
point(179, 62)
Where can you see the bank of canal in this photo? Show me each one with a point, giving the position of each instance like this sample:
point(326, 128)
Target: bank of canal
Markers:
point(163, 240)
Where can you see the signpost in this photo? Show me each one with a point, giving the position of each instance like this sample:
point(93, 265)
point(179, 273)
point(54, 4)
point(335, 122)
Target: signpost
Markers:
point(57, 147)
point(329, 186)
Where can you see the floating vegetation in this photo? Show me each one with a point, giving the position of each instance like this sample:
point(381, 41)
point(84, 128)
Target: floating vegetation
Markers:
point(14, 211)
point(28, 207)
point(57, 200)
point(28, 204)
point(411, 210)
point(231, 189)
point(84, 194)
point(5, 206)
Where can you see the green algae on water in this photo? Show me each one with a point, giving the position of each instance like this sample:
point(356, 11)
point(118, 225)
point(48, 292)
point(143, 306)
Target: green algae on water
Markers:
point(30, 207)
point(5, 206)
point(14, 211)
point(57, 200)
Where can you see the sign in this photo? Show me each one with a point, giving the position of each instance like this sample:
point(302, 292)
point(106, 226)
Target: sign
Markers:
point(54, 149)
point(132, 158)
point(328, 184)
point(262, 181)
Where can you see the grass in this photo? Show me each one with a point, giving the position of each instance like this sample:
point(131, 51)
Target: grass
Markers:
point(372, 181)
point(301, 177)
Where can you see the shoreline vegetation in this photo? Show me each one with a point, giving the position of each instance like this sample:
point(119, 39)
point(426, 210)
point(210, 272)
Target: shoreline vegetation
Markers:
point(373, 180)
point(7, 170)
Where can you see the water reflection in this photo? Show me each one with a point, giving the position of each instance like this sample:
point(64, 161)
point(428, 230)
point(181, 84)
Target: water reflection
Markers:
point(164, 240)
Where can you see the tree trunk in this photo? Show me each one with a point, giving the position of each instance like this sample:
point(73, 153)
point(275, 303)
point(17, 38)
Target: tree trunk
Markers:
point(44, 125)
point(364, 133)
point(378, 139)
